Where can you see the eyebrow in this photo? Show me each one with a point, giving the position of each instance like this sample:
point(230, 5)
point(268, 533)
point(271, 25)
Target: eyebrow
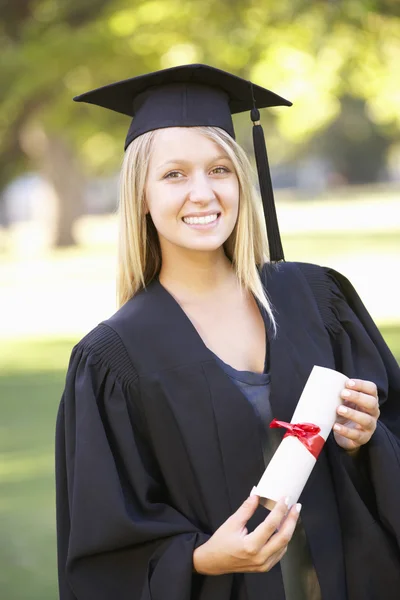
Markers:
point(186, 162)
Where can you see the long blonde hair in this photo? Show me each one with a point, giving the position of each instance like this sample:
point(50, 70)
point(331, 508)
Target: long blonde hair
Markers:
point(139, 253)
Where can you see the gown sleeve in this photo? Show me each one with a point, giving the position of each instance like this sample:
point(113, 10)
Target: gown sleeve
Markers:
point(361, 352)
point(117, 536)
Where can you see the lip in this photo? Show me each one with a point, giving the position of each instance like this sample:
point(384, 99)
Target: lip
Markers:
point(202, 214)
point(210, 225)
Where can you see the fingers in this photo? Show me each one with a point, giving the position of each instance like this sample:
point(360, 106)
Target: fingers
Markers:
point(274, 534)
point(272, 560)
point(368, 404)
point(358, 436)
point(281, 538)
point(359, 414)
point(360, 385)
point(261, 534)
point(245, 511)
point(364, 420)
point(363, 394)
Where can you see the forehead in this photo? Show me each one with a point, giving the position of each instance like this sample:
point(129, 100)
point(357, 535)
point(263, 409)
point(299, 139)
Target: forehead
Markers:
point(184, 142)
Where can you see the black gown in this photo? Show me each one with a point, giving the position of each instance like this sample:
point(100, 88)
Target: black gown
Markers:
point(156, 447)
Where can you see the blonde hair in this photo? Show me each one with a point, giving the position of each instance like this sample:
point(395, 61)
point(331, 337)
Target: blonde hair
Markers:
point(139, 253)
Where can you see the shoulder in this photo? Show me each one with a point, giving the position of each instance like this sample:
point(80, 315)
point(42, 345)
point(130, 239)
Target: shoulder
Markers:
point(116, 341)
point(323, 287)
point(293, 271)
point(138, 316)
point(295, 277)
point(103, 349)
point(319, 278)
point(109, 337)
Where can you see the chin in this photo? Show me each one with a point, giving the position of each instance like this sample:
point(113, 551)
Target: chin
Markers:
point(204, 245)
point(209, 243)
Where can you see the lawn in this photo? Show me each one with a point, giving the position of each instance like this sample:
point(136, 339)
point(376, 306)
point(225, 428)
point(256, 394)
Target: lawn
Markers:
point(30, 387)
point(29, 397)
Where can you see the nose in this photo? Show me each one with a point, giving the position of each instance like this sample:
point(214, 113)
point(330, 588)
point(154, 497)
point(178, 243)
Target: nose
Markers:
point(201, 190)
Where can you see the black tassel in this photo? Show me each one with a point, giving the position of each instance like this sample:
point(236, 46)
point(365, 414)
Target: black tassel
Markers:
point(267, 194)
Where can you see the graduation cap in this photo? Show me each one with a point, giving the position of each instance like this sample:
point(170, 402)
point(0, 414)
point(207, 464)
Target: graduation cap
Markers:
point(196, 95)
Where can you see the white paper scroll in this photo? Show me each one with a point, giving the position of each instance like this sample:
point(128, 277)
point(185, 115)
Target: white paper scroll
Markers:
point(290, 467)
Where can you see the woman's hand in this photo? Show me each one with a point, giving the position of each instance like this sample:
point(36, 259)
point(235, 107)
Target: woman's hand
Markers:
point(358, 415)
point(233, 550)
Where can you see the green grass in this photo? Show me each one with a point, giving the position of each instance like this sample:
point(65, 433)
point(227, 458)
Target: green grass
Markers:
point(30, 394)
point(318, 247)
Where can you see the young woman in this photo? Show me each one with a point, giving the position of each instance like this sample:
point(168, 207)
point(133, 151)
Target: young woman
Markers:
point(163, 426)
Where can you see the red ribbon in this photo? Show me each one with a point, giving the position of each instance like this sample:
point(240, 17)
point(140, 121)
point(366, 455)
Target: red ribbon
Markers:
point(306, 433)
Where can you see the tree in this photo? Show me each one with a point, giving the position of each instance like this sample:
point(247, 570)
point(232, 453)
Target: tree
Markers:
point(312, 53)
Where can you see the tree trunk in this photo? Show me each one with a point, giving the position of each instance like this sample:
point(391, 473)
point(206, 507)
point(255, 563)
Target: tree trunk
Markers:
point(62, 171)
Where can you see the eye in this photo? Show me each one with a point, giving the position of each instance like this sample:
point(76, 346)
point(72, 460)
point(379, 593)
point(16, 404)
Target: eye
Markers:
point(171, 175)
point(221, 169)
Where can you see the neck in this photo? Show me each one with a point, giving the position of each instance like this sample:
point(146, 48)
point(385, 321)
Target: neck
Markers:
point(195, 274)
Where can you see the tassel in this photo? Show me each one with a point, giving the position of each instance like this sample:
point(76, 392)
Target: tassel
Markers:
point(267, 194)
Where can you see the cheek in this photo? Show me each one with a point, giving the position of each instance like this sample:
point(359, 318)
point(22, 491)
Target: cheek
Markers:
point(230, 195)
point(163, 204)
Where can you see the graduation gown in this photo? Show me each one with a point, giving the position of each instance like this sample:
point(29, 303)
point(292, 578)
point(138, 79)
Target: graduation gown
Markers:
point(156, 448)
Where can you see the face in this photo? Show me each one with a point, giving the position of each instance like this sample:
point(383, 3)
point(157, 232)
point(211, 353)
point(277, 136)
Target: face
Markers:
point(192, 191)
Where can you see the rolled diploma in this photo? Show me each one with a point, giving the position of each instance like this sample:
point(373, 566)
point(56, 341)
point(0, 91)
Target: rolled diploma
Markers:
point(291, 465)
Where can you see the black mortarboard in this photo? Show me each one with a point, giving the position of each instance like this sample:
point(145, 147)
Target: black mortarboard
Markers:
point(196, 95)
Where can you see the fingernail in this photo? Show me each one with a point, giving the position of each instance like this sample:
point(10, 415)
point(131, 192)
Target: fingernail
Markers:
point(298, 507)
point(342, 410)
point(287, 500)
point(346, 393)
point(253, 492)
point(337, 427)
point(351, 383)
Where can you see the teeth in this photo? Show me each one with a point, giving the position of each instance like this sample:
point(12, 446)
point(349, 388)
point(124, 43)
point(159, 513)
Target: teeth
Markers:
point(200, 220)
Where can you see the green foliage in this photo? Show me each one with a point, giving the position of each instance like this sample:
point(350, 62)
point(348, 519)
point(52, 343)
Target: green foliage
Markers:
point(313, 53)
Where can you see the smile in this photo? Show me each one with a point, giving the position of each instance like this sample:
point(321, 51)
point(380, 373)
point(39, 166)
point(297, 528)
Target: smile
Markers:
point(201, 220)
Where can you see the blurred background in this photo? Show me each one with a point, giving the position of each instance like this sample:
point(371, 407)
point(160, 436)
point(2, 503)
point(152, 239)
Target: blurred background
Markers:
point(335, 158)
